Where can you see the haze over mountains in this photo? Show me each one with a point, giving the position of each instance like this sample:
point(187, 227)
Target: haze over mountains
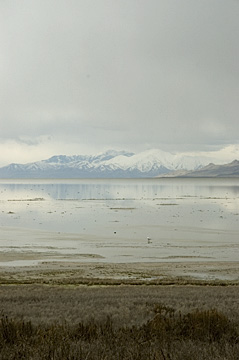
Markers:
point(115, 164)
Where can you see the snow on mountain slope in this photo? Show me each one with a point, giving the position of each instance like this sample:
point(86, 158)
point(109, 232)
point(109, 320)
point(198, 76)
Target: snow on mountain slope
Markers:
point(185, 162)
point(107, 164)
point(153, 159)
point(144, 161)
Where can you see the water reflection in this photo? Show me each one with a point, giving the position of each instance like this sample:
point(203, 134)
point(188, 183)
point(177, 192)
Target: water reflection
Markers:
point(118, 189)
point(195, 218)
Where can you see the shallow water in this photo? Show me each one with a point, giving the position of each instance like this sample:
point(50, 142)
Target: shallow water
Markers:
point(111, 220)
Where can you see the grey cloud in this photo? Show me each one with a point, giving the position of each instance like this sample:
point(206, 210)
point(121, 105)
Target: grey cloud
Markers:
point(123, 73)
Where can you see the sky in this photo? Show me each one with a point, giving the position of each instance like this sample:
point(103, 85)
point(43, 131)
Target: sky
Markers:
point(84, 76)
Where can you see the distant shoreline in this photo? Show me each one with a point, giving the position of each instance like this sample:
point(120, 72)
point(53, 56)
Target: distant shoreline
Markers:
point(100, 273)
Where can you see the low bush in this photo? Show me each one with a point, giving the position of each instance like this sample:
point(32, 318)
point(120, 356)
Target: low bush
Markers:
point(168, 335)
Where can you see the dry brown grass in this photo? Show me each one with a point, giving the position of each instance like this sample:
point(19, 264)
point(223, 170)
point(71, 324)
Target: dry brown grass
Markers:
point(119, 322)
point(167, 335)
point(126, 304)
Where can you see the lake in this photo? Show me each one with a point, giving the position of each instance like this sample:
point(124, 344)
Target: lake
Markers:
point(119, 220)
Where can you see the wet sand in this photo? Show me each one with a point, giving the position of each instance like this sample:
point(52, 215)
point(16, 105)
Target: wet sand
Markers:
point(32, 256)
point(73, 259)
point(79, 232)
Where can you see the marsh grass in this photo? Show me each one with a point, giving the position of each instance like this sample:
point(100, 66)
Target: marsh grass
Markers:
point(167, 335)
point(73, 277)
point(119, 322)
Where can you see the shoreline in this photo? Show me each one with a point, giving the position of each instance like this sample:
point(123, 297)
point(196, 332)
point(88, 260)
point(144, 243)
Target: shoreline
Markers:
point(94, 272)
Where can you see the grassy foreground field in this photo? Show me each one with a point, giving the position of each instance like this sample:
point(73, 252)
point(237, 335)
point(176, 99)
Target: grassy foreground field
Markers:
point(119, 322)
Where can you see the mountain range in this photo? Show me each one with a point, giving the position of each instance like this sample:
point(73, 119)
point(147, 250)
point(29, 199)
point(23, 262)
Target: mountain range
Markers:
point(118, 164)
point(211, 170)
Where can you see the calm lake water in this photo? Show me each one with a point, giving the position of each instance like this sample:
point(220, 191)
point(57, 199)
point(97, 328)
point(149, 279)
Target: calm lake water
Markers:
point(110, 220)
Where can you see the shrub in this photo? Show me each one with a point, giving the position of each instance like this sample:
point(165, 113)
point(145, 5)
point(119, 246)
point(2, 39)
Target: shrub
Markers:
point(168, 335)
point(207, 325)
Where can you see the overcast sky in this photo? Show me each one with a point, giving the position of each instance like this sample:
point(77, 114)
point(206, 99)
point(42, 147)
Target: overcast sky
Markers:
point(83, 76)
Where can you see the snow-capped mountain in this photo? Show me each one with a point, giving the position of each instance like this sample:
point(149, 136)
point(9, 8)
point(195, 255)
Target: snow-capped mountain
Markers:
point(211, 170)
point(109, 164)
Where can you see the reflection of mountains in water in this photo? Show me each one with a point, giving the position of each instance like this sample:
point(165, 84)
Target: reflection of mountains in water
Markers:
point(121, 189)
point(96, 190)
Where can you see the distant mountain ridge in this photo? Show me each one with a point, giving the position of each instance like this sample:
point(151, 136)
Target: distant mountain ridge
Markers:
point(211, 170)
point(109, 164)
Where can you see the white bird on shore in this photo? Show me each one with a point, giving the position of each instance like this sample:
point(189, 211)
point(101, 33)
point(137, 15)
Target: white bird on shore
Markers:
point(149, 239)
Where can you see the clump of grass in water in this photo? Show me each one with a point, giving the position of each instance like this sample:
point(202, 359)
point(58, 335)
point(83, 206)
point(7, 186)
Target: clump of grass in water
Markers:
point(168, 335)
